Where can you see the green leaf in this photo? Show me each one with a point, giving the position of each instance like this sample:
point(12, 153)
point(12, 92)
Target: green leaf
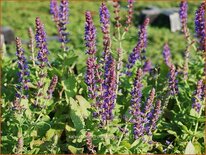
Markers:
point(194, 113)
point(135, 143)
point(172, 133)
point(70, 86)
point(190, 149)
point(50, 133)
point(75, 150)
point(76, 115)
point(69, 128)
point(197, 148)
point(126, 144)
point(84, 105)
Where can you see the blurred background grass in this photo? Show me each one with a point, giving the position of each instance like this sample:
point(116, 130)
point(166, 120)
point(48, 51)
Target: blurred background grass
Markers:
point(20, 15)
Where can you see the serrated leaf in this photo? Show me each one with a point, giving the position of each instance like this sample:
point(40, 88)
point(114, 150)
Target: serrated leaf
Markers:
point(76, 115)
point(194, 113)
point(84, 105)
point(190, 149)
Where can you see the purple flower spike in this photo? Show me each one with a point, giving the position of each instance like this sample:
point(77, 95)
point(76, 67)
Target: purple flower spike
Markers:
point(23, 69)
point(52, 86)
point(105, 26)
point(148, 111)
point(90, 77)
point(104, 17)
point(109, 90)
point(136, 105)
point(63, 21)
point(183, 13)
point(54, 10)
point(167, 55)
point(200, 26)
point(147, 66)
point(173, 83)
point(156, 115)
point(130, 14)
point(142, 43)
point(199, 95)
point(90, 34)
point(41, 43)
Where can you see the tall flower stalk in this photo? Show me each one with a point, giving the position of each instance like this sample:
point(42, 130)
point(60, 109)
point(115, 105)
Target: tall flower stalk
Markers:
point(136, 105)
point(23, 73)
point(198, 96)
point(141, 45)
point(60, 16)
point(42, 58)
point(166, 54)
point(63, 21)
point(32, 45)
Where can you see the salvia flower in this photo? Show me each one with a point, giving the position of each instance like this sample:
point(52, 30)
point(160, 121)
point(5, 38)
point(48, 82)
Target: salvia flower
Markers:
point(155, 116)
point(109, 90)
point(147, 66)
point(130, 14)
point(63, 21)
point(166, 54)
point(141, 44)
point(173, 82)
point(54, 10)
point(148, 109)
point(23, 73)
point(41, 44)
point(52, 86)
point(90, 34)
point(136, 105)
point(90, 77)
point(116, 11)
point(104, 17)
point(200, 26)
point(89, 143)
point(105, 26)
point(198, 96)
point(183, 15)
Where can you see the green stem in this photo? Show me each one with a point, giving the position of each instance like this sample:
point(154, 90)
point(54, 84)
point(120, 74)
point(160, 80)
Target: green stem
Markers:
point(178, 103)
point(120, 139)
point(197, 123)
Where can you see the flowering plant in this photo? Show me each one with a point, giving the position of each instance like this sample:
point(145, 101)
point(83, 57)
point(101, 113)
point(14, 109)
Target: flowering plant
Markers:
point(120, 102)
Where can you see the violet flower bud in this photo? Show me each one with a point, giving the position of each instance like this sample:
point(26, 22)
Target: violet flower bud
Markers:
point(141, 45)
point(166, 54)
point(198, 96)
point(173, 82)
point(147, 66)
point(63, 21)
point(90, 146)
point(109, 87)
point(23, 73)
point(116, 11)
point(54, 10)
point(105, 26)
point(90, 77)
point(156, 115)
point(52, 86)
point(90, 34)
point(41, 44)
point(130, 14)
point(200, 26)
point(183, 15)
point(135, 109)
